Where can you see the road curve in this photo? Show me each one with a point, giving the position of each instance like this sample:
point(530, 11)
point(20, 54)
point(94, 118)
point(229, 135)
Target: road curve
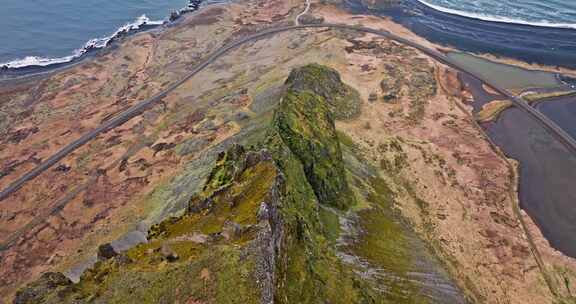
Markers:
point(306, 9)
point(142, 106)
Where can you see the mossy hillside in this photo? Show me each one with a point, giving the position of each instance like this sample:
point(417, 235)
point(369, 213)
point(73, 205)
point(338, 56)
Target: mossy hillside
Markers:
point(384, 244)
point(383, 240)
point(306, 149)
point(305, 124)
point(305, 152)
point(210, 267)
point(208, 278)
point(223, 172)
point(236, 204)
point(342, 100)
point(308, 269)
point(311, 271)
point(379, 239)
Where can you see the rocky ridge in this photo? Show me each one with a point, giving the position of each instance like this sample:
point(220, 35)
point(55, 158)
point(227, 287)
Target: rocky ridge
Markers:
point(269, 225)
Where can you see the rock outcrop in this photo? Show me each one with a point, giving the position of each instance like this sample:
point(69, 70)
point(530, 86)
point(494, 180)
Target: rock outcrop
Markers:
point(38, 291)
point(221, 233)
point(342, 100)
point(263, 228)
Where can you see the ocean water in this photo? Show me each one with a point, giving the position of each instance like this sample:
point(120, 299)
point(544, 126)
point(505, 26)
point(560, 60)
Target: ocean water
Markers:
point(544, 13)
point(536, 31)
point(37, 32)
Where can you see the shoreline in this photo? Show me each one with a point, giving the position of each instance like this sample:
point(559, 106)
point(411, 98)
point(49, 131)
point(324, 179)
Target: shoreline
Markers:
point(516, 198)
point(480, 36)
point(93, 47)
point(19, 73)
point(550, 258)
point(498, 19)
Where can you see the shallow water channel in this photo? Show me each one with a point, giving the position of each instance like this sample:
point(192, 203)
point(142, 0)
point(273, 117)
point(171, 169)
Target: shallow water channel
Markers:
point(547, 167)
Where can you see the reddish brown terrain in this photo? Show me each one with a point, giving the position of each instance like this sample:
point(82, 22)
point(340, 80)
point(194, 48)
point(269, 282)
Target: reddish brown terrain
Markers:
point(457, 191)
point(100, 190)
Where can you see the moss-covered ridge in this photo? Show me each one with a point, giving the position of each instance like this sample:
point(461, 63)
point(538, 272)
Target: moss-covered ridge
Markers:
point(264, 228)
point(219, 251)
point(306, 149)
point(305, 125)
point(344, 102)
point(304, 121)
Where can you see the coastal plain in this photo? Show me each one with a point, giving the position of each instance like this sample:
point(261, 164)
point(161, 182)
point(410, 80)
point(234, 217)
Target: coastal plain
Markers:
point(419, 169)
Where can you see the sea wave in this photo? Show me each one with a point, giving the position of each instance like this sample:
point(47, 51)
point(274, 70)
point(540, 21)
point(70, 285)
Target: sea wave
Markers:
point(499, 19)
point(96, 43)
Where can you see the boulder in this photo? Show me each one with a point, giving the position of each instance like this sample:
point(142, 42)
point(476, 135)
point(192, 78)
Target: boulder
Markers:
point(168, 253)
point(37, 290)
point(106, 251)
point(311, 19)
point(263, 212)
point(231, 230)
point(252, 159)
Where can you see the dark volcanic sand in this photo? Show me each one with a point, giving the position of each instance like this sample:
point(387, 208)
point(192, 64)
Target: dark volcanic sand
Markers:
point(544, 45)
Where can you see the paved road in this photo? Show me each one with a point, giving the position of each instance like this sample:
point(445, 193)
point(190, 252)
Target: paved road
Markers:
point(142, 106)
point(306, 9)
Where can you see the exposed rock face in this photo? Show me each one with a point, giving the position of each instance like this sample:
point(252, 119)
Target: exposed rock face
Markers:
point(306, 125)
point(343, 101)
point(106, 251)
point(311, 19)
point(269, 242)
point(35, 292)
point(261, 230)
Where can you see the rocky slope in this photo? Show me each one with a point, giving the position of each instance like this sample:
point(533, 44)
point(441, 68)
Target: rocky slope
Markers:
point(272, 223)
point(425, 211)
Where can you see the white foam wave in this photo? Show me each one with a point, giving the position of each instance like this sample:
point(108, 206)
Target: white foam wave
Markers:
point(96, 43)
point(499, 19)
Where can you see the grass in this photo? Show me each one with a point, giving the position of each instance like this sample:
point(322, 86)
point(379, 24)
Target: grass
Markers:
point(306, 125)
point(533, 97)
point(492, 110)
point(310, 182)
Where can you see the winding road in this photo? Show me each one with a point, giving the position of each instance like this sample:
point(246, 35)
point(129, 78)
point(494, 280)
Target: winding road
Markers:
point(143, 105)
point(306, 9)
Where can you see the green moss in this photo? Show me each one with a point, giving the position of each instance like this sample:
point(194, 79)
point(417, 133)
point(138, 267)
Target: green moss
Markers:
point(224, 170)
point(306, 148)
point(306, 125)
point(210, 277)
point(308, 269)
point(238, 203)
point(229, 274)
point(385, 245)
point(383, 242)
point(342, 100)
point(307, 152)
point(205, 270)
point(331, 224)
point(347, 142)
